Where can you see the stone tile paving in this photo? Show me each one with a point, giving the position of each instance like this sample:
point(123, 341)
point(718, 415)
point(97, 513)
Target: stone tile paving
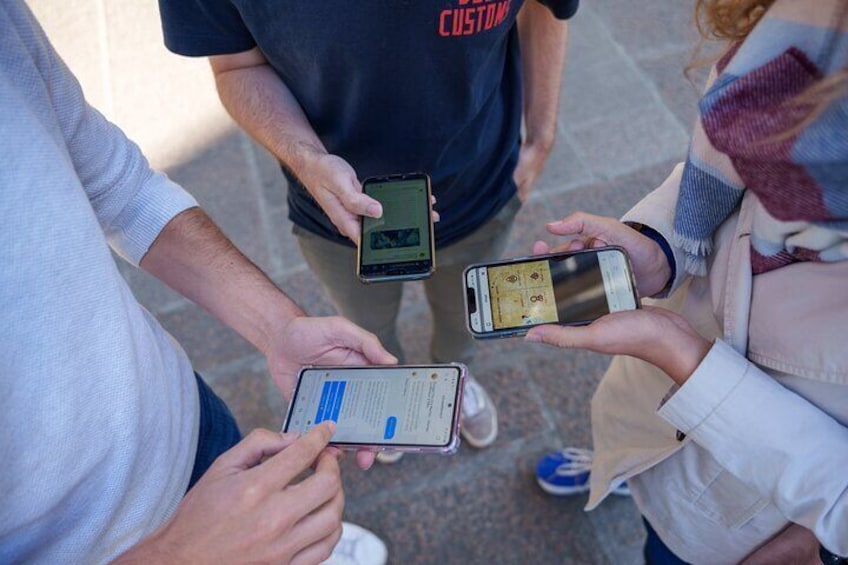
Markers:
point(626, 109)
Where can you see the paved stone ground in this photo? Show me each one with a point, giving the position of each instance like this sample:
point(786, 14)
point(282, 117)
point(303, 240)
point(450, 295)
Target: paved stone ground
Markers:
point(625, 114)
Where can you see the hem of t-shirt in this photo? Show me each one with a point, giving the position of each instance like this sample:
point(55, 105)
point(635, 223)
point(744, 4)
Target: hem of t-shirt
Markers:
point(206, 45)
point(299, 229)
point(563, 12)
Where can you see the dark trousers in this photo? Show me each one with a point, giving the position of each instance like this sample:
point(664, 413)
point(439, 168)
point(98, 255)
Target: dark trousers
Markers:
point(218, 430)
point(656, 552)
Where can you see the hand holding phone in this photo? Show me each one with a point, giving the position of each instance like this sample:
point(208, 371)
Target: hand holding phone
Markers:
point(412, 408)
point(506, 298)
point(333, 184)
point(400, 245)
point(650, 266)
point(655, 335)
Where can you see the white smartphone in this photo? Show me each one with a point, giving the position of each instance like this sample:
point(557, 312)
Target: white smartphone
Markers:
point(506, 298)
point(413, 408)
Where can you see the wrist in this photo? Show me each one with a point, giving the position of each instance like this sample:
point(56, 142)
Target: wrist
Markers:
point(541, 144)
point(684, 356)
point(664, 270)
point(662, 257)
point(275, 322)
point(304, 158)
point(154, 549)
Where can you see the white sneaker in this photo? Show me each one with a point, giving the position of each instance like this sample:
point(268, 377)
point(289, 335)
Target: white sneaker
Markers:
point(358, 546)
point(389, 457)
point(479, 415)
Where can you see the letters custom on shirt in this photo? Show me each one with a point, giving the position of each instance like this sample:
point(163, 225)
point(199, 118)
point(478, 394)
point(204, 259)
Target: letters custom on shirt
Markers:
point(473, 16)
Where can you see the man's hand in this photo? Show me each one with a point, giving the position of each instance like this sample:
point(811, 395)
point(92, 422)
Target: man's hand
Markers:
point(249, 507)
point(263, 105)
point(323, 341)
point(531, 161)
point(543, 40)
point(650, 265)
point(333, 184)
point(652, 334)
point(193, 257)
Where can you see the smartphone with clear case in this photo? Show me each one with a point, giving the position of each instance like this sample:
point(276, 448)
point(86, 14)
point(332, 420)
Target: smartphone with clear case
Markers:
point(507, 298)
point(410, 408)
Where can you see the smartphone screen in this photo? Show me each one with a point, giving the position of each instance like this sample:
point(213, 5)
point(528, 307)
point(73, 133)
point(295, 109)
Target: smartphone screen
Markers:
point(398, 245)
point(509, 297)
point(413, 408)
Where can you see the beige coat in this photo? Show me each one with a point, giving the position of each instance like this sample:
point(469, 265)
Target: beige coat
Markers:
point(765, 413)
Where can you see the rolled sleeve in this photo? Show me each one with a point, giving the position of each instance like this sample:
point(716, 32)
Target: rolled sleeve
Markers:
point(143, 218)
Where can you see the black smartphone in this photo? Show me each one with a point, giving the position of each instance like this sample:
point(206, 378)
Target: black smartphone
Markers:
point(506, 298)
point(400, 245)
point(387, 407)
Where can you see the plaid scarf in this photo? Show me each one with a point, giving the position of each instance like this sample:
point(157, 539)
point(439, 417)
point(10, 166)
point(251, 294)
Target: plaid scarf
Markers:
point(799, 181)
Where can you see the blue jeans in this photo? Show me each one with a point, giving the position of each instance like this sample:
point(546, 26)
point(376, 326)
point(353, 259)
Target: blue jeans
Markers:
point(218, 430)
point(656, 552)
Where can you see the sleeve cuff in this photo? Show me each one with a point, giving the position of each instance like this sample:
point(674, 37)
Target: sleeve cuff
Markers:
point(141, 221)
point(715, 379)
point(657, 211)
point(660, 240)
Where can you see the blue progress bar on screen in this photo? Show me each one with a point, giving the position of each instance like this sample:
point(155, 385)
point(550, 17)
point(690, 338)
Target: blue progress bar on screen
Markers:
point(330, 403)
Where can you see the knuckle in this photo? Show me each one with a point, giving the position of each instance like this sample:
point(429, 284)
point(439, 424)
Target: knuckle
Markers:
point(265, 528)
point(251, 494)
point(284, 521)
point(258, 435)
point(329, 482)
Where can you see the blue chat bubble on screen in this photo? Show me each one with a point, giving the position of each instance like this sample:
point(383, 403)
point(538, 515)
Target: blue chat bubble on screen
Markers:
point(391, 425)
point(330, 403)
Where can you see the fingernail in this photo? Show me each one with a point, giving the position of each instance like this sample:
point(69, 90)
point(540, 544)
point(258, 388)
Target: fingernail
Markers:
point(533, 338)
point(375, 210)
point(332, 425)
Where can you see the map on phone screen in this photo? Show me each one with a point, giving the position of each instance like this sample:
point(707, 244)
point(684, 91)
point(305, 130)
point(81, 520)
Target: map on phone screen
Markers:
point(522, 294)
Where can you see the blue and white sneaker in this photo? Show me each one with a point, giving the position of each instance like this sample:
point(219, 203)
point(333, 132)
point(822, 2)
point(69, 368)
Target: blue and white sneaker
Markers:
point(566, 472)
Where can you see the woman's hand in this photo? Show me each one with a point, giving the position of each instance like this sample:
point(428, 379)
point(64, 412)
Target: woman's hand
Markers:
point(655, 335)
point(650, 265)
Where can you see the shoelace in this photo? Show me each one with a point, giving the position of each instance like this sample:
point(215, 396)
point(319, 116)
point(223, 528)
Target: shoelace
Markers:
point(578, 461)
point(472, 402)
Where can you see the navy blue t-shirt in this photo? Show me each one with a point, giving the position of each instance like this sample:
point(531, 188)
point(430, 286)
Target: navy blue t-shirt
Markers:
point(390, 86)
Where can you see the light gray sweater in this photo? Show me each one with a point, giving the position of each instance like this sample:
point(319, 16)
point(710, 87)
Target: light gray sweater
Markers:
point(98, 404)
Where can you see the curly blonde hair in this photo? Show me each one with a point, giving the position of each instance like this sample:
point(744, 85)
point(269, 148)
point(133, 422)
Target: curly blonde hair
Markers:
point(733, 20)
point(729, 19)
